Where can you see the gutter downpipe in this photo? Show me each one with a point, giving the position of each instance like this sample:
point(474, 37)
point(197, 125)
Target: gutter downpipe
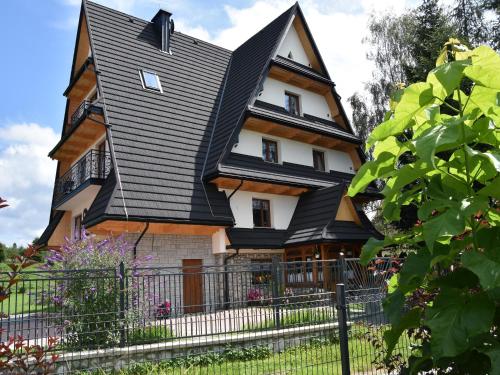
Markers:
point(140, 238)
point(228, 257)
point(226, 278)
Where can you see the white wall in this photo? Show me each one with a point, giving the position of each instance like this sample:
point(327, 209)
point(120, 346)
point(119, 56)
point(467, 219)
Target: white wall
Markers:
point(310, 102)
point(250, 143)
point(292, 43)
point(282, 208)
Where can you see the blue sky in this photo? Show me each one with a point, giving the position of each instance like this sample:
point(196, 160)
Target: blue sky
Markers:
point(37, 40)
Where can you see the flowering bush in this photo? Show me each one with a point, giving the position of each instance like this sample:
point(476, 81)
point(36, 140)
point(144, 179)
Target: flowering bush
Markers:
point(254, 296)
point(164, 310)
point(88, 290)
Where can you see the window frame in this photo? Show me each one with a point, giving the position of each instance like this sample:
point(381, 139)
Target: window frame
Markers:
point(276, 143)
point(288, 95)
point(143, 80)
point(77, 231)
point(262, 213)
point(323, 153)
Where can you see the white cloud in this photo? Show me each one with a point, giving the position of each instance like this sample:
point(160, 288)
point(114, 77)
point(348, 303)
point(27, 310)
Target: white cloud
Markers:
point(338, 29)
point(27, 178)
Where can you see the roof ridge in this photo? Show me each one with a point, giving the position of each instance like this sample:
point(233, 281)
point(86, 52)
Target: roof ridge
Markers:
point(148, 22)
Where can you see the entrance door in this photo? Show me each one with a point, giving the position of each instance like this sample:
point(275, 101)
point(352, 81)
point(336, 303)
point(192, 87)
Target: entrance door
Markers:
point(192, 285)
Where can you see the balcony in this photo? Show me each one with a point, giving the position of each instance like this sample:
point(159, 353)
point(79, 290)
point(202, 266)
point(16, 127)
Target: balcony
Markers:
point(85, 126)
point(91, 169)
point(83, 80)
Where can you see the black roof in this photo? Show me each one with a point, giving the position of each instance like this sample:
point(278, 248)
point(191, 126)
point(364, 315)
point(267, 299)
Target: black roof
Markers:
point(159, 140)
point(256, 238)
point(54, 221)
point(248, 65)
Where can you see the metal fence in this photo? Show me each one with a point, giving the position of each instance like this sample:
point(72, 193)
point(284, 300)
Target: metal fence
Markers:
point(320, 317)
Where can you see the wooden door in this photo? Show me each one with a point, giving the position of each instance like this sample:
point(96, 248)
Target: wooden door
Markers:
point(192, 285)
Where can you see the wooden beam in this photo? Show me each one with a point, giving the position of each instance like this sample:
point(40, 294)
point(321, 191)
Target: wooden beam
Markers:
point(233, 183)
point(115, 227)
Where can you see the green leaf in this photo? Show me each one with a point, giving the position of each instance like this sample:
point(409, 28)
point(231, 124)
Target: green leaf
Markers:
point(409, 320)
point(492, 189)
point(458, 278)
point(414, 99)
point(494, 355)
point(382, 166)
point(485, 68)
point(440, 138)
point(393, 305)
point(403, 176)
point(414, 269)
point(370, 250)
point(454, 318)
point(486, 99)
point(449, 223)
point(486, 265)
point(447, 77)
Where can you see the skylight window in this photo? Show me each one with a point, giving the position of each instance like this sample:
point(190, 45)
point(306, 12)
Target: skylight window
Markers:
point(150, 80)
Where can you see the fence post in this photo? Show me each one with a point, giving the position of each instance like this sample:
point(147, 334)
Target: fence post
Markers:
point(275, 274)
point(344, 337)
point(122, 304)
point(343, 269)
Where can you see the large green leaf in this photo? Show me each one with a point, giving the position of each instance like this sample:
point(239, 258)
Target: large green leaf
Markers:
point(485, 68)
point(447, 77)
point(370, 250)
point(383, 166)
point(449, 223)
point(486, 265)
point(403, 176)
point(486, 99)
point(414, 99)
point(494, 355)
point(414, 269)
point(454, 318)
point(409, 320)
point(440, 138)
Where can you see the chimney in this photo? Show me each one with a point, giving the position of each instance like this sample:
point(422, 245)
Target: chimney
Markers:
point(164, 26)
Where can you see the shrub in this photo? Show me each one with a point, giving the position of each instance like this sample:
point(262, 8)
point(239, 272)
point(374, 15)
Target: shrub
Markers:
point(88, 291)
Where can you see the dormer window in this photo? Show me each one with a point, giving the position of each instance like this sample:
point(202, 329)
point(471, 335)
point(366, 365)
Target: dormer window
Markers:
point(150, 80)
point(292, 104)
point(270, 150)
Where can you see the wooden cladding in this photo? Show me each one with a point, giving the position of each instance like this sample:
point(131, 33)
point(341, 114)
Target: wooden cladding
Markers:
point(118, 227)
point(90, 130)
point(259, 187)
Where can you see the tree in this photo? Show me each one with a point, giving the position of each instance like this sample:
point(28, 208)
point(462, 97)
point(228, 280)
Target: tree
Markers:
point(447, 295)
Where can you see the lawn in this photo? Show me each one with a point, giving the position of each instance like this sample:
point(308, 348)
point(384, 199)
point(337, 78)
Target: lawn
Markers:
point(22, 299)
point(319, 356)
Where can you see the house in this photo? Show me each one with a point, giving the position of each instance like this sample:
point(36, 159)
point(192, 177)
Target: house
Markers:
point(198, 154)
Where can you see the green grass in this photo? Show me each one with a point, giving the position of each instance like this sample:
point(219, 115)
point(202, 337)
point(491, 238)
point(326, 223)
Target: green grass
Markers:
point(22, 298)
point(316, 357)
point(294, 318)
point(149, 335)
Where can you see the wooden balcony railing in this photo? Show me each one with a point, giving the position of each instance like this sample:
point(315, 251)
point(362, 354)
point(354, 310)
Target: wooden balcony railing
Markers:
point(91, 169)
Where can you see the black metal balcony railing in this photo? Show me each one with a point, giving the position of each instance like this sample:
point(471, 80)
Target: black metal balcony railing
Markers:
point(80, 112)
point(92, 168)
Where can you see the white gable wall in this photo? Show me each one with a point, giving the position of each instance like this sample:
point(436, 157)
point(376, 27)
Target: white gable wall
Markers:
point(292, 43)
point(250, 143)
point(282, 208)
point(311, 103)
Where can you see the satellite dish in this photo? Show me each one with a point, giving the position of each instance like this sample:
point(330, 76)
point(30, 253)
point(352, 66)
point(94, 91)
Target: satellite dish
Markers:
point(172, 27)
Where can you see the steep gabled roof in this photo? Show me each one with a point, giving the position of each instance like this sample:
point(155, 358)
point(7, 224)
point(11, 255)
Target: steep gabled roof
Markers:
point(248, 66)
point(159, 140)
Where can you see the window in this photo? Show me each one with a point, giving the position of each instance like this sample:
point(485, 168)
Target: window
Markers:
point(261, 213)
point(150, 80)
point(292, 103)
point(77, 227)
point(319, 160)
point(261, 271)
point(270, 150)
